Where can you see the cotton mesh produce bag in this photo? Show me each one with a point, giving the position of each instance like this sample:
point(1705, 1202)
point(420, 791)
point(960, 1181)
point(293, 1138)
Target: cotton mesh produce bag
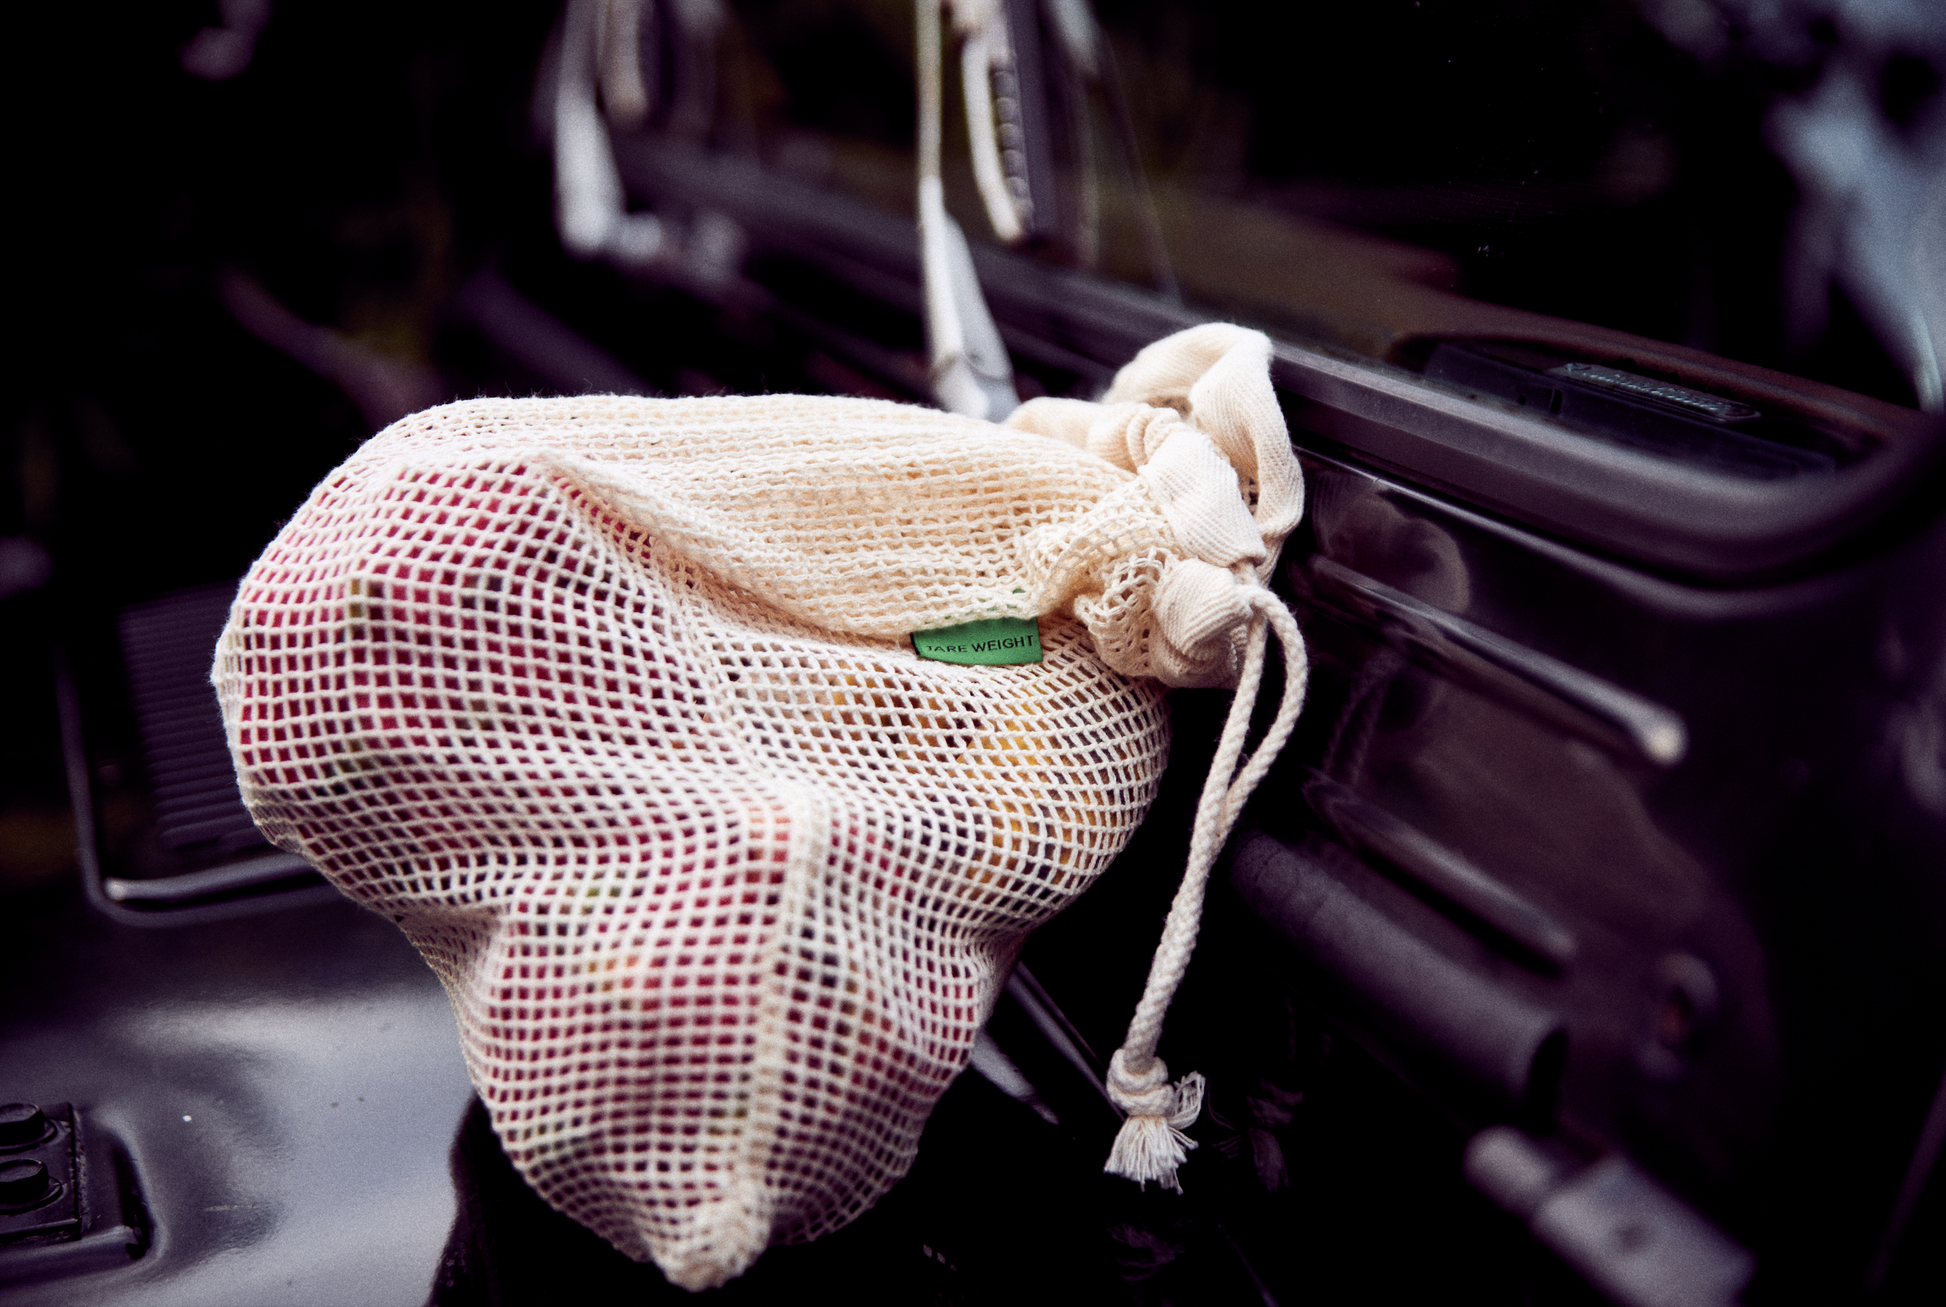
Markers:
point(615, 706)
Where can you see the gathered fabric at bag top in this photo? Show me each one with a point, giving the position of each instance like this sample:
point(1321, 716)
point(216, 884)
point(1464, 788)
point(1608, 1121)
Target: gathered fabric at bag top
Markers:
point(613, 705)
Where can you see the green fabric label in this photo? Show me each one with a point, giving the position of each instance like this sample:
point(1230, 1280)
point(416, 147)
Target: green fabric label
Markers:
point(995, 642)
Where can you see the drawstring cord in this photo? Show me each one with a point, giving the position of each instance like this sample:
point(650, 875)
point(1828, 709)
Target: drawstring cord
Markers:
point(1152, 1144)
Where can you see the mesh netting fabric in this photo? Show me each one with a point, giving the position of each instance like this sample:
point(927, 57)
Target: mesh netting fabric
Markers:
point(608, 703)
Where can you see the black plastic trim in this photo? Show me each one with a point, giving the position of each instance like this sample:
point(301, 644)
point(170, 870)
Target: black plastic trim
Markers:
point(1621, 502)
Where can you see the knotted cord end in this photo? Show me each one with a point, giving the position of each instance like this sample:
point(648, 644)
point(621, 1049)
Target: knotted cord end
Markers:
point(1151, 1144)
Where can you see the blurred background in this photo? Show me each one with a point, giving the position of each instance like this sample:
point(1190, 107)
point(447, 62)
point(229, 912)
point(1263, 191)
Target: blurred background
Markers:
point(246, 235)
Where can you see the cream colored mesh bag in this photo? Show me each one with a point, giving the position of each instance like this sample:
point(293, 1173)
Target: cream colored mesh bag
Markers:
point(611, 704)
